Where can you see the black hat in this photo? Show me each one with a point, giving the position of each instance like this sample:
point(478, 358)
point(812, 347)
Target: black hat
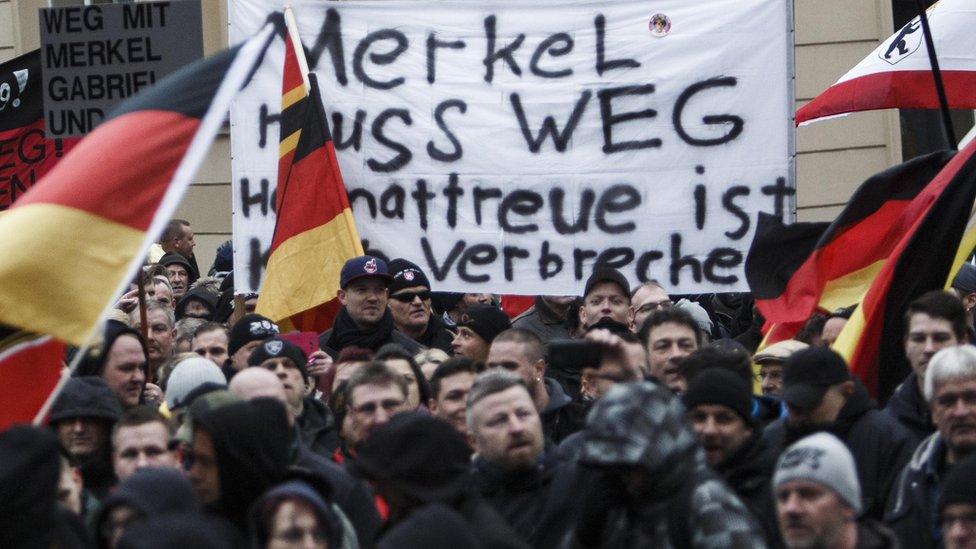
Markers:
point(94, 362)
point(965, 280)
point(606, 274)
point(275, 347)
point(720, 386)
point(406, 275)
point(30, 465)
point(443, 302)
point(959, 485)
point(362, 267)
point(252, 327)
point(399, 452)
point(808, 374)
point(173, 258)
point(486, 320)
point(202, 294)
point(87, 396)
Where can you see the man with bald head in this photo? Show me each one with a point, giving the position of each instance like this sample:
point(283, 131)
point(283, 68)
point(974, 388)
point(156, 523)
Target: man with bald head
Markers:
point(351, 496)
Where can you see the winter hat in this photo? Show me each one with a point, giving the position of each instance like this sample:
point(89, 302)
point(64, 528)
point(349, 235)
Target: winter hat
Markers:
point(173, 258)
point(720, 386)
point(965, 280)
point(698, 313)
point(821, 458)
point(406, 275)
point(93, 363)
point(153, 491)
point(275, 347)
point(201, 294)
point(252, 327)
point(486, 320)
point(443, 302)
point(178, 530)
point(399, 452)
point(189, 374)
point(959, 485)
point(87, 396)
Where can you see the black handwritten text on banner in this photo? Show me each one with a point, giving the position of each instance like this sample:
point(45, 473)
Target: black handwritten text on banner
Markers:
point(512, 146)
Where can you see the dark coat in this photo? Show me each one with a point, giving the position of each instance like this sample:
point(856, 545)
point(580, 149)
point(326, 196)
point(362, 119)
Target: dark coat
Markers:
point(562, 417)
point(871, 534)
point(437, 336)
point(911, 511)
point(542, 321)
point(317, 428)
point(346, 333)
point(749, 473)
point(908, 406)
point(879, 444)
point(522, 498)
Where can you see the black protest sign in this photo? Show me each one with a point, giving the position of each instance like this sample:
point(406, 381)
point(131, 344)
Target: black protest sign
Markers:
point(96, 56)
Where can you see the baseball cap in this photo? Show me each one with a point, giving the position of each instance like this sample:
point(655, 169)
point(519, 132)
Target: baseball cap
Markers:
point(779, 351)
point(486, 320)
point(362, 267)
point(606, 274)
point(808, 373)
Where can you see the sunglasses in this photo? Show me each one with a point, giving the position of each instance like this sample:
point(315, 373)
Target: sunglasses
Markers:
point(407, 297)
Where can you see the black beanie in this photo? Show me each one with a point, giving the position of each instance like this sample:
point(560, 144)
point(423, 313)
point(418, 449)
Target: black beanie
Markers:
point(960, 484)
point(406, 275)
point(720, 386)
point(486, 320)
point(275, 347)
point(252, 327)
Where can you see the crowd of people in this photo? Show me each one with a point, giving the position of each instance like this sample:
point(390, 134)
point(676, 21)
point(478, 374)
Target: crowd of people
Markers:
point(625, 417)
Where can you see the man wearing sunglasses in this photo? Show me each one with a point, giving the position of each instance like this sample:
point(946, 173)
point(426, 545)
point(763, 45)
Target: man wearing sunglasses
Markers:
point(410, 305)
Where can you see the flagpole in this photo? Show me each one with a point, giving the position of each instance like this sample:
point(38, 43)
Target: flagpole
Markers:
point(937, 75)
point(296, 41)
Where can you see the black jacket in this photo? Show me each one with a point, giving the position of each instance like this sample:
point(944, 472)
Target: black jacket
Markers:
point(486, 524)
point(562, 417)
point(345, 333)
point(908, 406)
point(871, 534)
point(749, 473)
point(911, 513)
point(349, 493)
point(879, 444)
point(437, 336)
point(521, 497)
point(317, 428)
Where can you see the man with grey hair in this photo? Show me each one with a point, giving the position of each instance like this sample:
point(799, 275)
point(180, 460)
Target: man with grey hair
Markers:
point(950, 390)
point(512, 470)
point(818, 498)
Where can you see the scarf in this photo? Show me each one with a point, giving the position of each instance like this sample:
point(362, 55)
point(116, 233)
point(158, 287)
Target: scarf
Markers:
point(346, 333)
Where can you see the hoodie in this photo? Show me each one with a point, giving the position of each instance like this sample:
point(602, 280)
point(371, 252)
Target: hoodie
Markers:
point(561, 417)
point(262, 513)
point(150, 492)
point(29, 470)
point(251, 443)
point(202, 294)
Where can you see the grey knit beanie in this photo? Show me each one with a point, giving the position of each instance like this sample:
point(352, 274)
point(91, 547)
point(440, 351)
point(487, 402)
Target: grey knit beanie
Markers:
point(821, 458)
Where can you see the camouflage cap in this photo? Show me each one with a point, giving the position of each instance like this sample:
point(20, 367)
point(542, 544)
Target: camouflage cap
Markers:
point(207, 402)
point(636, 424)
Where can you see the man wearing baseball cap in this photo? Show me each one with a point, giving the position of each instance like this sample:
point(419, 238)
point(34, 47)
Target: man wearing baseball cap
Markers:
point(822, 396)
point(364, 319)
point(818, 498)
point(606, 295)
point(410, 303)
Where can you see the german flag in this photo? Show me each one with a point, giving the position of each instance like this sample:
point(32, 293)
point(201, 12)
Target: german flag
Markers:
point(791, 279)
point(30, 367)
point(923, 259)
point(314, 232)
point(72, 242)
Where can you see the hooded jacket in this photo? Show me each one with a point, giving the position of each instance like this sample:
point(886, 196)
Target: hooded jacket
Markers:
point(317, 428)
point(251, 444)
point(328, 518)
point(204, 295)
point(150, 492)
point(346, 332)
point(561, 417)
point(908, 406)
point(880, 445)
point(435, 526)
point(749, 474)
point(640, 425)
point(912, 511)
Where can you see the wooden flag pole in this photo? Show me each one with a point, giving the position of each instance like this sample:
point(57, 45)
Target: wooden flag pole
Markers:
point(937, 75)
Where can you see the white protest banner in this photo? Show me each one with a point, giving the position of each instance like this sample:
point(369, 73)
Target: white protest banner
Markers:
point(509, 146)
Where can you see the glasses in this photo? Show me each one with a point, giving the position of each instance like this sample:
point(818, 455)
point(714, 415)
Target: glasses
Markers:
point(407, 297)
point(370, 408)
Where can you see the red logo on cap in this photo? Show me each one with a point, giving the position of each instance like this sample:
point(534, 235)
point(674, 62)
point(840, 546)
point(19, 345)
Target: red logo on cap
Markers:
point(408, 275)
point(370, 266)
